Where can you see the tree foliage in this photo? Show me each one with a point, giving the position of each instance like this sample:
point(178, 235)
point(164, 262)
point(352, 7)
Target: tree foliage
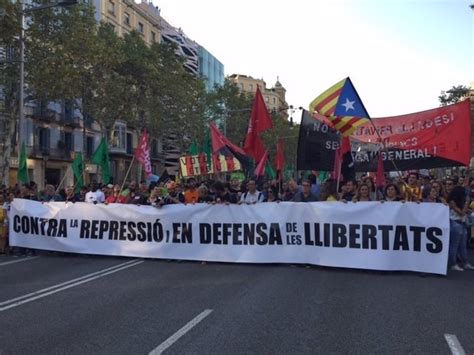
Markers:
point(453, 95)
point(70, 58)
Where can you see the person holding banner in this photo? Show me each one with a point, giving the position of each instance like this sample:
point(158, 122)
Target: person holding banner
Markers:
point(411, 191)
point(191, 194)
point(306, 195)
point(204, 196)
point(116, 196)
point(174, 197)
point(252, 195)
point(156, 198)
point(362, 194)
point(391, 193)
point(458, 207)
point(272, 194)
point(329, 191)
point(223, 196)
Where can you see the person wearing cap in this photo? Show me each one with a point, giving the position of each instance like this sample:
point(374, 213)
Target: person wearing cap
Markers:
point(174, 197)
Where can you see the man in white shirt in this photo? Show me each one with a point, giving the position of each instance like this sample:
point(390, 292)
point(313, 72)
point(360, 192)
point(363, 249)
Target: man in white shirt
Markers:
point(252, 195)
point(95, 195)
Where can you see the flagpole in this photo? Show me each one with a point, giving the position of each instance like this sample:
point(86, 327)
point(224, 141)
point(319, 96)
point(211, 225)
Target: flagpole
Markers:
point(126, 175)
point(339, 167)
point(64, 178)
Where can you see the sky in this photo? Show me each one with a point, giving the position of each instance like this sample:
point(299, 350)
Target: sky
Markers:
point(399, 54)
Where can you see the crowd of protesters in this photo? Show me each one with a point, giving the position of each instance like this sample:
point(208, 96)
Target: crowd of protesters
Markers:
point(455, 192)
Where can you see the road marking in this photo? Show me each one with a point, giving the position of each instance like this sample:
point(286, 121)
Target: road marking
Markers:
point(18, 301)
point(454, 344)
point(19, 260)
point(172, 339)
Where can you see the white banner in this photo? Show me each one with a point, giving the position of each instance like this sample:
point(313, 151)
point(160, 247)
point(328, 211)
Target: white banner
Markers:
point(365, 235)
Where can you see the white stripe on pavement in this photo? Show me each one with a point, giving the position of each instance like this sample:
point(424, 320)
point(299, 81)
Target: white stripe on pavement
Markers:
point(15, 302)
point(172, 339)
point(454, 344)
point(19, 260)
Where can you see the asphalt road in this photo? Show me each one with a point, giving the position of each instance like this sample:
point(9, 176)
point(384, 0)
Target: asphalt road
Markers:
point(134, 306)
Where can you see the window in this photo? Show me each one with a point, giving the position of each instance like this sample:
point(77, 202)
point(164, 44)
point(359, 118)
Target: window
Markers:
point(241, 86)
point(111, 7)
point(68, 111)
point(266, 99)
point(129, 143)
point(126, 18)
point(68, 141)
point(251, 87)
point(153, 37)
point(43, 141)
point(119, 137)
point(89, 146)
point(274, 100)
point(140, 27)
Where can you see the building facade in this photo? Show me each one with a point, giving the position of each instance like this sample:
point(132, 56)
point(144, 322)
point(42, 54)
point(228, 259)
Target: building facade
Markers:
point(126, 15)
point(211, 69)
point(275, 97)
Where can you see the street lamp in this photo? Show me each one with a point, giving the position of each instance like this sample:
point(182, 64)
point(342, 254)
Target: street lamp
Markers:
point(21, 96)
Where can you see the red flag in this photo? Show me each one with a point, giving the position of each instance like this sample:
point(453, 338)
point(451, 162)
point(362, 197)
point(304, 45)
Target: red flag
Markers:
point(260, 121)
point(260, 169)
point(380, 178)
point(142, 153)
point(220, 141)
point(254, 146)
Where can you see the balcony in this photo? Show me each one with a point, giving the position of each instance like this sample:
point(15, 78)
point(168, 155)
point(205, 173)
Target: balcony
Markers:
point(40, 152)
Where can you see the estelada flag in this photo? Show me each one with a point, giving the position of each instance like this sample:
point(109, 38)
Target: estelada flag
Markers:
point(260, 121)
point(342, 105)
point(142, 153)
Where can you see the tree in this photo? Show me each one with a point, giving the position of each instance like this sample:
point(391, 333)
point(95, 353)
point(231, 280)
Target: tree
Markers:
point(9, 74)
point(231, 109)
point(453, 95)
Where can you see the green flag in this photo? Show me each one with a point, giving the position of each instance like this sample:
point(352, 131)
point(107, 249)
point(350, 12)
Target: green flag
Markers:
point(78, 170)
point(101, 158)
point(22, 165)
point(193, 148)
point(270, 172)
point(323, 176)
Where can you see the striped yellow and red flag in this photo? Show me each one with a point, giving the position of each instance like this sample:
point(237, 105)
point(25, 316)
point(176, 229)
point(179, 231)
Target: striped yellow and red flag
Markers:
point(341, 105)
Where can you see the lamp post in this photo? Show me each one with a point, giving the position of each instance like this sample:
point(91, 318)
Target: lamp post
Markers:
point(21, 96)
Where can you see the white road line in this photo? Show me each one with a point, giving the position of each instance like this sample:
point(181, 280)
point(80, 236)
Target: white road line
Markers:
point(15, 302)
point(66, 283)
point(172, 339)
point(454, 344)
point(19, 260)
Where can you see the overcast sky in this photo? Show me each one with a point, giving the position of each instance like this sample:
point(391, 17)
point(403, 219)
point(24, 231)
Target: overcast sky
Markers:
point(399, 53)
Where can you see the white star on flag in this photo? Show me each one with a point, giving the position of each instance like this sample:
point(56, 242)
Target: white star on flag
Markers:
point(349, 105)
